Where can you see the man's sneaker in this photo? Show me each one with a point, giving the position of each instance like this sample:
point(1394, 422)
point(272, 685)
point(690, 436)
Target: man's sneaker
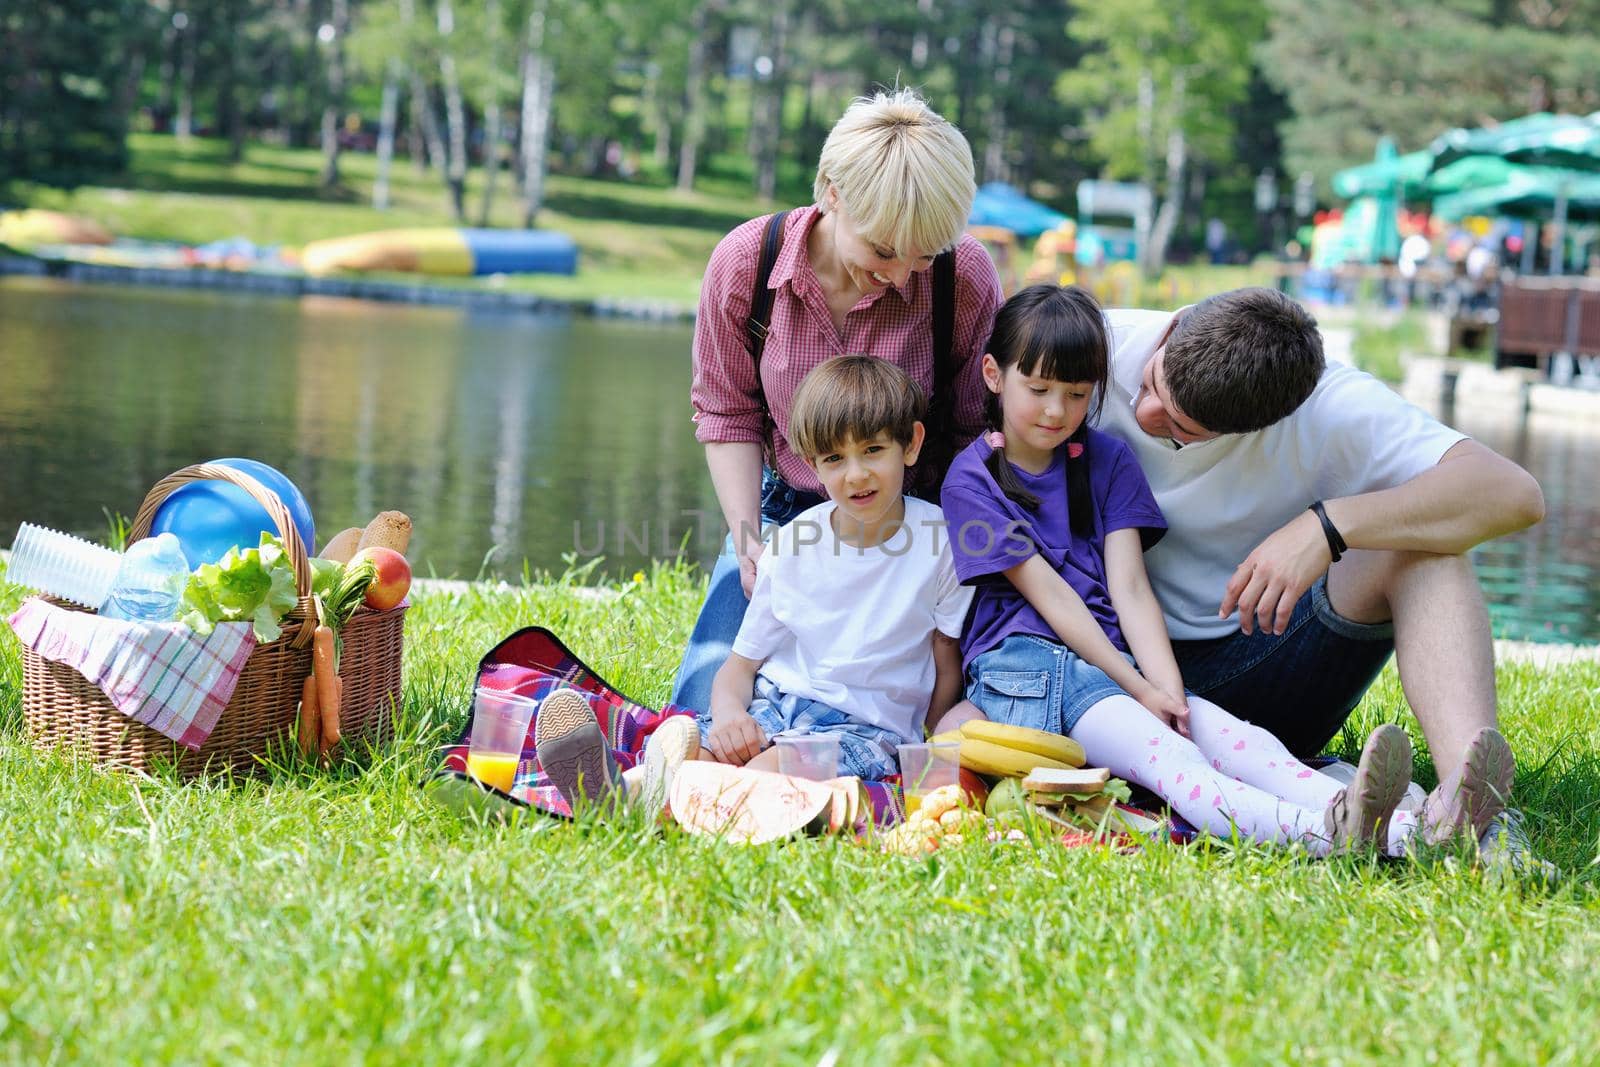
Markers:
point(674, 741)
point(1344, 773)
point(1359, 814)
point(573, 752)
point(1504, 846)
point(1468, 800)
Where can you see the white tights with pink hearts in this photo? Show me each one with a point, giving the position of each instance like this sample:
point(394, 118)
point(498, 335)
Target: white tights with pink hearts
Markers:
point(1231, 774)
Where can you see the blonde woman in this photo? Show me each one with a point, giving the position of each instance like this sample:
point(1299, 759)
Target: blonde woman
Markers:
point(878, 264)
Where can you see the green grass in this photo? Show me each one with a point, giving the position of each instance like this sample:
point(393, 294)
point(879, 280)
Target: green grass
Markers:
point(316, 918)
point(638, 240)
point(1380, 343)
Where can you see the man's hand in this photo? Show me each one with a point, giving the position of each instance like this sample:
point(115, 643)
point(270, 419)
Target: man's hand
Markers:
point(735, 737)
point(1273, 578)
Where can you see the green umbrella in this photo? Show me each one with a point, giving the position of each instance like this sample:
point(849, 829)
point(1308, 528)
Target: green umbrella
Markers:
point(1382, 175)
point(1530, 193)
point(1542, 139)
point(1386, 203)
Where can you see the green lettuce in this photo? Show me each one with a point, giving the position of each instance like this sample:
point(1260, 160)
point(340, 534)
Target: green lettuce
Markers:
point(254, 586)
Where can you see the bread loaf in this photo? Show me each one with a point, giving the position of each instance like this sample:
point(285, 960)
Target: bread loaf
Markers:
point(342, 545)
point(390, 529)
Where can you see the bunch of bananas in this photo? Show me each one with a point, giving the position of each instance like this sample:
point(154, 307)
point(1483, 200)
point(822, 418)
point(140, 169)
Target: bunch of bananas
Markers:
point(1000, 751)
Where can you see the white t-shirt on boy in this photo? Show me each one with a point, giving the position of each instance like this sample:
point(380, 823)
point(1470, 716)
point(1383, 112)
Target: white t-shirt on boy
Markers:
point(1223, 497)
point(853, 627)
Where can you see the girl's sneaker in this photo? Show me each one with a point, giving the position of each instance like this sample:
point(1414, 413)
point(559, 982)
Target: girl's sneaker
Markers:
point(1359, 815)
point(674, 741)
point(573, 752)
point(1469, 799)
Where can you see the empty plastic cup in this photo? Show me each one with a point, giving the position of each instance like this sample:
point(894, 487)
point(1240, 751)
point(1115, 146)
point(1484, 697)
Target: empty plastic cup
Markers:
point(926, 767)
point(499, 728)
point(814, 756)
point(62, 565)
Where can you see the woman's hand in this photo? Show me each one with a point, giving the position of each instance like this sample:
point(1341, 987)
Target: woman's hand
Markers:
point(735, 737)
point(747, 566)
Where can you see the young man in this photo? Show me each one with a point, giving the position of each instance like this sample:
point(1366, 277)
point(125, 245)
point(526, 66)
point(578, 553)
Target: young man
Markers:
point(1317, 523)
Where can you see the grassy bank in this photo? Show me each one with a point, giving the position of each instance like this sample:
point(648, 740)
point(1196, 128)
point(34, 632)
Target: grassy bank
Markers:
point(637, 240)
point(309, 918)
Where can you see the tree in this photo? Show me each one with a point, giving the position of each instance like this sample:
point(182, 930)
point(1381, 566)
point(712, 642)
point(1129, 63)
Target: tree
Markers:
point(1354, 71)
point(1160, 88)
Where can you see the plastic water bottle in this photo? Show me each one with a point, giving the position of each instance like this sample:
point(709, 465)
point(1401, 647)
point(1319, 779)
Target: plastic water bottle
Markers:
point(150, 581)
point(62, 565)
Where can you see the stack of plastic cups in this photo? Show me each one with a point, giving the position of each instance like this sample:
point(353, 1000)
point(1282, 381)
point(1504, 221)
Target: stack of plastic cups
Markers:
point(62, 565)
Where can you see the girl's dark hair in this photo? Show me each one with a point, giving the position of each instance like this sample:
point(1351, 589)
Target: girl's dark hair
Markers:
point(1055, 332)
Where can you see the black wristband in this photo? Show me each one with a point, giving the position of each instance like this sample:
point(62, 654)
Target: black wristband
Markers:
point(1336, 545)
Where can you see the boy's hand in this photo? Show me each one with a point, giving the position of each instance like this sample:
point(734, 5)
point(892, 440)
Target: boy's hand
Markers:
point(1170, 708)
point(735, 737)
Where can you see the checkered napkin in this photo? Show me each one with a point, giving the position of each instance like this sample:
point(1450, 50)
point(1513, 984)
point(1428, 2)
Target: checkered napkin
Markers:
point(161, 674)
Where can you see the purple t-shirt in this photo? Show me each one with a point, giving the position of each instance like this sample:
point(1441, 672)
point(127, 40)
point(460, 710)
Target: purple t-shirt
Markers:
point(990, 533)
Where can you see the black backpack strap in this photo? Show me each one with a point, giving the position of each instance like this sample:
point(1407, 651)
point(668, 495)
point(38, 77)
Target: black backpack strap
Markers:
point(760, 318)
point(940, 449)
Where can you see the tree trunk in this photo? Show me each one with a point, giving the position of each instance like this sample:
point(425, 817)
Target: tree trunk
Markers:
point(1171, 210)
point(491, 115)
point(183, 124)
point(455, 114)
point(656, 116)
point(538, 88)
point(995, 168)
point(388, 117)
point(769, 120)
point(335, 102)
point(694, 123)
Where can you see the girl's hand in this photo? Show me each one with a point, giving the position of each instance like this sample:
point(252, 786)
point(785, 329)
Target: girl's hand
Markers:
point(735, 738)
point(1170, 708)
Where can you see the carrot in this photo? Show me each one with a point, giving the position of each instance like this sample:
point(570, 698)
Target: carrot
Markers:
point(326, 674)
point(310, 720)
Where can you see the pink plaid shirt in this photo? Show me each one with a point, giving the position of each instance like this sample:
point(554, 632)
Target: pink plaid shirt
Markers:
point(894, 323)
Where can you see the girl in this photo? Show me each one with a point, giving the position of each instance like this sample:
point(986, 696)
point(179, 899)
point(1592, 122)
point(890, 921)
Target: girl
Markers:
point(1049, 519)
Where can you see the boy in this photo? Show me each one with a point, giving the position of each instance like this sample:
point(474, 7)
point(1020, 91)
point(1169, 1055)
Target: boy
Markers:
point(842, 632)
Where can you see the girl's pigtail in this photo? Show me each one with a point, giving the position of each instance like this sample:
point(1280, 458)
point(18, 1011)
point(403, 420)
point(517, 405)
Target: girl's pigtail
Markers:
point(1001, 470)
point(1080, 503)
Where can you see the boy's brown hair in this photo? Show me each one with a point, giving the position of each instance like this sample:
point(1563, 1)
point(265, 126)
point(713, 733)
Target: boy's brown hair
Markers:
point(853, 397)
point(1241, 360)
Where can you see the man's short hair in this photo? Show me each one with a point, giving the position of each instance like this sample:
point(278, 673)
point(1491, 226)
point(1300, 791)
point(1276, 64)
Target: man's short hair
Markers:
point(1241, 360)
point(904, 173)
point(853, 398)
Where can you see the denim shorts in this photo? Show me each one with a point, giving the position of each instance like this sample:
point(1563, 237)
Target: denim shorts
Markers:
point(864, 751)
point(1031, 681)
point(1301, 684)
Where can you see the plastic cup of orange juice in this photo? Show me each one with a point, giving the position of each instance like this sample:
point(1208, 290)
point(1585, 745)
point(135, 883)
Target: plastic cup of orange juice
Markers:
point(499, 727)
point(926, 767)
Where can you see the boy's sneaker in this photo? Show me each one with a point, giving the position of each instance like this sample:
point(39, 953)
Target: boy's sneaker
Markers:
point(1359, 814)
point(1469, 799)
point(1504, 846)
point(674, 741)
point(573, 751)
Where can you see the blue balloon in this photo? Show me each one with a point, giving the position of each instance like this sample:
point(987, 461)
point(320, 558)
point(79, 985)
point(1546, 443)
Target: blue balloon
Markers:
point(210, 517)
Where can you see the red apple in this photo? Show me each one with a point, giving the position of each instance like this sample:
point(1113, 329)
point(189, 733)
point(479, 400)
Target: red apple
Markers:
point(393, 580)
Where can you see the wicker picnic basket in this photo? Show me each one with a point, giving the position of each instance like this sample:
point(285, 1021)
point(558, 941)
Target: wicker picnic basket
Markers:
point(62, 708)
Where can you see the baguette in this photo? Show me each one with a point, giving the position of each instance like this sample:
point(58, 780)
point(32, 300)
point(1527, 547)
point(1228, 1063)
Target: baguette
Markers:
point(342, 545)
point(390, 529)
point(1053, 780)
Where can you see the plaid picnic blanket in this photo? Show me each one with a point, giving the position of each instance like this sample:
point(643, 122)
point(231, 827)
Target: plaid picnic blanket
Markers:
point(161, 674)
point(533, 662)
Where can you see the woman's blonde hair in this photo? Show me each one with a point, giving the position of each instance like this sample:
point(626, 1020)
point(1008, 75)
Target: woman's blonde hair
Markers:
point(902, 172)
point(853, 398)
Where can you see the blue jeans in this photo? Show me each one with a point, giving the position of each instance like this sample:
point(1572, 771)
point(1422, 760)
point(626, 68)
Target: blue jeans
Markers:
point(1034, 682)
point(1301, 684)
point(720, 616)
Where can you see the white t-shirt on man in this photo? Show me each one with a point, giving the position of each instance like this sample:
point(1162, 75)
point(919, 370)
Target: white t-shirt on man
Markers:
point(1222, 498)
point(853, 627)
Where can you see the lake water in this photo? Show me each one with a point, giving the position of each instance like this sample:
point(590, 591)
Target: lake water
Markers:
point(511, 440)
